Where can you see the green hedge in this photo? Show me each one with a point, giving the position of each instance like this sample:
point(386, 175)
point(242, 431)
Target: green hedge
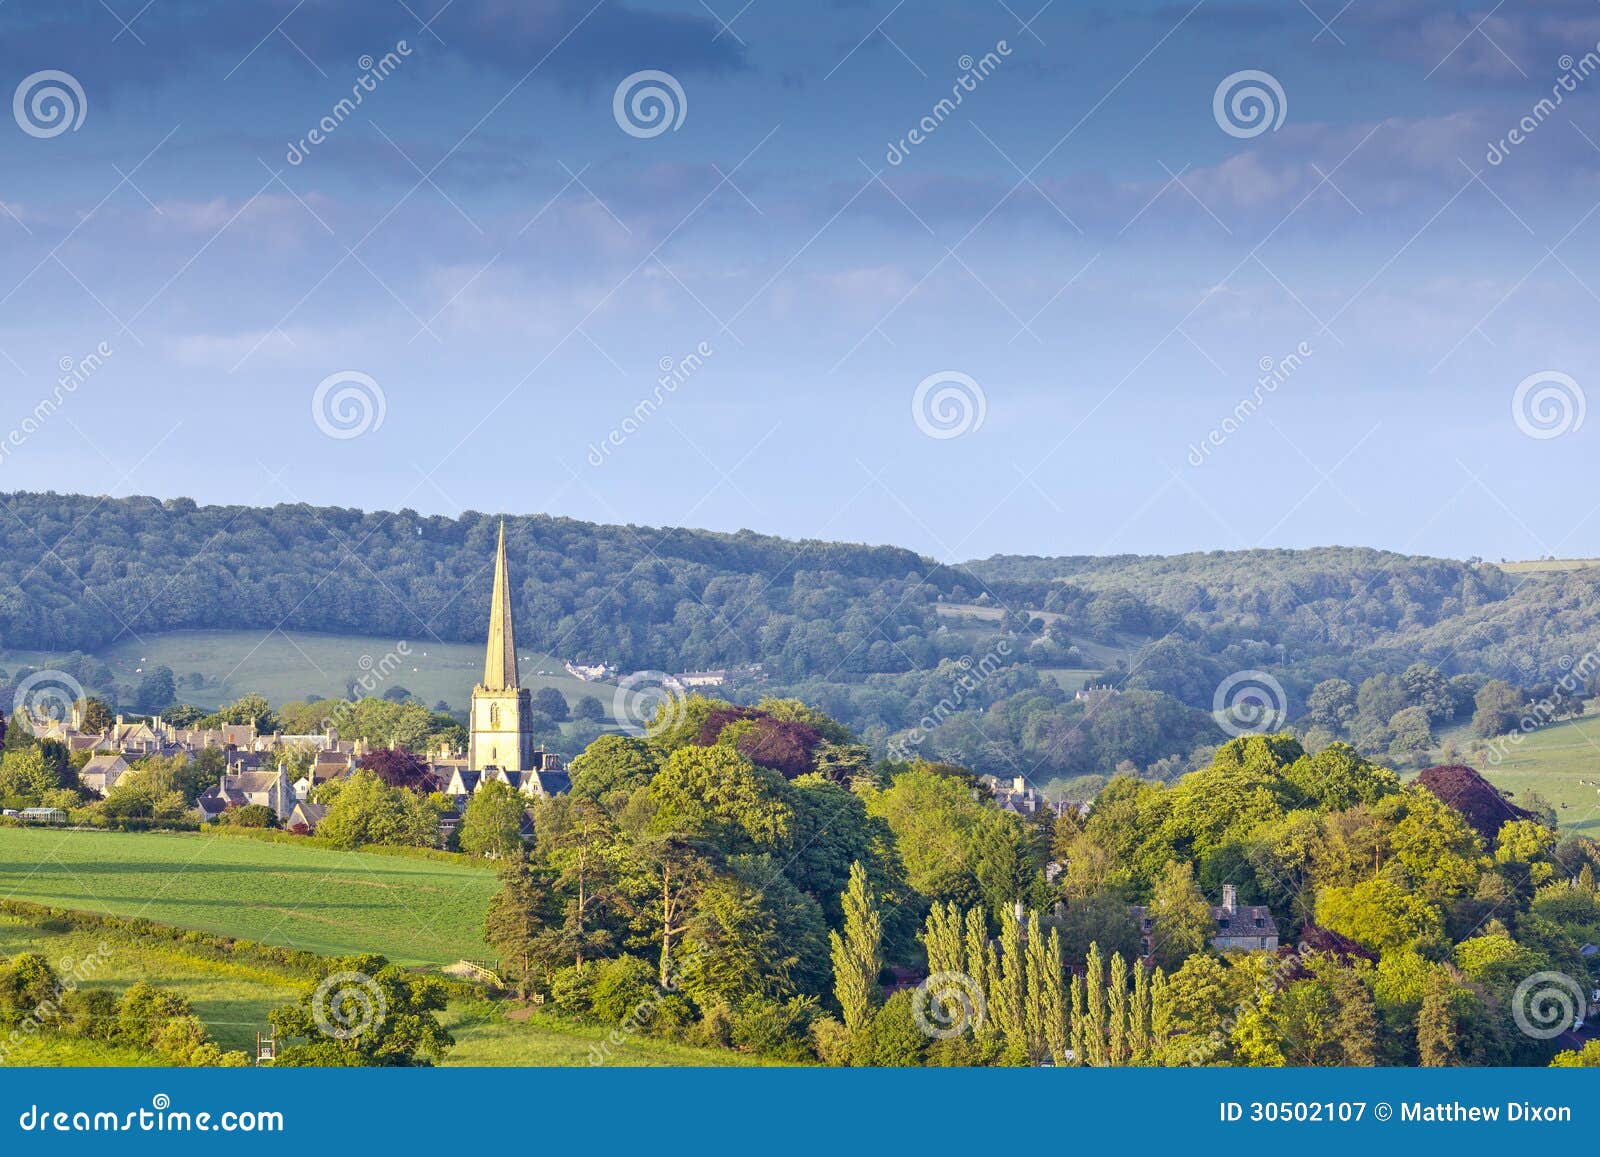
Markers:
point(306, 965)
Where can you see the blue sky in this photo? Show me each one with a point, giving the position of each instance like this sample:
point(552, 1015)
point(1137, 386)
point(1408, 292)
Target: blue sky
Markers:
point(1081, 240)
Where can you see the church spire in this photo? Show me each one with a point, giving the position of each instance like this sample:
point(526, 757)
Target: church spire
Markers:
point(500, 662)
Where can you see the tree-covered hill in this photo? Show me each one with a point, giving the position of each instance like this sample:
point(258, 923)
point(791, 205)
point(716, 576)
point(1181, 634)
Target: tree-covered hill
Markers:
point(78, 572)
point(977, 663)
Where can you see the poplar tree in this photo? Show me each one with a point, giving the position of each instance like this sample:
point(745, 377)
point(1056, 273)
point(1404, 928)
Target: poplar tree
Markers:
point(1161, 1015)
point(1046, 1009)
point(1139, 1016)
point(1117, 1013)
point(1078, 1022)
point(1007, 987)
point(1094, 1031)
point(942, 939)
point(858, 954)
point(979, 965)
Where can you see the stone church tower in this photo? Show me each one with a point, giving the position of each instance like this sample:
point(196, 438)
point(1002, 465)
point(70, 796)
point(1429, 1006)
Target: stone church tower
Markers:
point(501, 707)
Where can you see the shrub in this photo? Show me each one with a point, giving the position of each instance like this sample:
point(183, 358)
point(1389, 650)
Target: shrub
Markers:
point(624, 988)
point(774, 1029)
point(571, 989)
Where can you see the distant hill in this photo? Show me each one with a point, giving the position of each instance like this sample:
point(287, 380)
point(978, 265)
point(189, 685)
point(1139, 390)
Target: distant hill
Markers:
point(78, 573)
point(971, 663)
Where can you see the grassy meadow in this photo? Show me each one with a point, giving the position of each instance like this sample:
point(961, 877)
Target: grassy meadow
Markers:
point(1561, 762)
point(330, 902)
point(285, 666)
point(235, 999)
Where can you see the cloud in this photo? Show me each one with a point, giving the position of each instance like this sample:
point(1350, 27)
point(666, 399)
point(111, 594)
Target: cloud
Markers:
point(579, 42)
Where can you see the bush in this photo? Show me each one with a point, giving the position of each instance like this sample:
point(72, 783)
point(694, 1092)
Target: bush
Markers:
point(773, 1029)
point(253, 815)
point(831, 1040)
point(891, 1038)
point(624, 988)
point(571, 989)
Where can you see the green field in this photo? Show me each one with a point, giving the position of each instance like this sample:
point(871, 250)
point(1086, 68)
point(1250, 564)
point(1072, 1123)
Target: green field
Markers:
point(285, 666)
point(412, 911)
point(1561, 762)
point(1546, 565)
point(235, 999)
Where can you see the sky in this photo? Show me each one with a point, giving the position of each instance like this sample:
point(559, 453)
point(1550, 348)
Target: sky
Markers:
point(1095, 306)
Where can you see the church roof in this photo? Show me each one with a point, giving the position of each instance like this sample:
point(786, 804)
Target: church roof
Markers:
point(500, 660)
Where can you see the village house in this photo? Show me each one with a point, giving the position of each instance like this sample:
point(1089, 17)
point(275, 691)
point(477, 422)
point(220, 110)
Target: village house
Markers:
point(101, 773)
point(269, 789)
point(304, 818)
point(1250, 928)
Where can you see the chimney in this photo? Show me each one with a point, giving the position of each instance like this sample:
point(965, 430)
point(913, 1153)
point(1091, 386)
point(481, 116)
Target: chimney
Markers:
point(1230, 899)
point(1019, 783)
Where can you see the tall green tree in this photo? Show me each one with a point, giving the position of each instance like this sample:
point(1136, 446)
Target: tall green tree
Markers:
point(492, 822)
point(857, 955)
